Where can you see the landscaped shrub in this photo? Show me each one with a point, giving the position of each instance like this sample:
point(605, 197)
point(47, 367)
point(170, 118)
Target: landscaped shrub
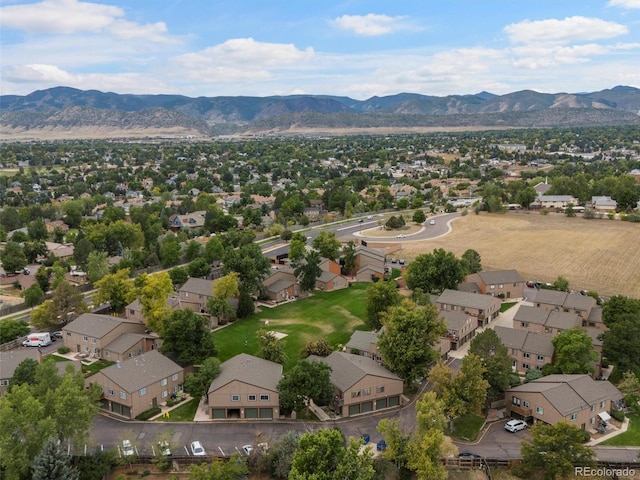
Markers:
point(147, 414)
point(618, 415)
point(63, 350)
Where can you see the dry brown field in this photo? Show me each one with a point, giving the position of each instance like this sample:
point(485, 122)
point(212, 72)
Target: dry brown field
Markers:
point(601, 255)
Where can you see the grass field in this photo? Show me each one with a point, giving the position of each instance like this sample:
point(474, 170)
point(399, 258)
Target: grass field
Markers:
point(334, 315)
point(629, 438)
point(600, 255)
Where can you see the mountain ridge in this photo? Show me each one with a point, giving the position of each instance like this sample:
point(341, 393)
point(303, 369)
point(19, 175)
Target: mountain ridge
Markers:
point(69, 108)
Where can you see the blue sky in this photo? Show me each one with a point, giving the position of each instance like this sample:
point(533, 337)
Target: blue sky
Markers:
point(353, 48)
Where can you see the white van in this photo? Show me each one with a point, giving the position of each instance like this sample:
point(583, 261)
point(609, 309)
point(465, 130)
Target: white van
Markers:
point(37, 340)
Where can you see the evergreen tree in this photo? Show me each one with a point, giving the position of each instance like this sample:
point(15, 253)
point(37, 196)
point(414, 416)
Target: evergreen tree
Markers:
point(52, 463)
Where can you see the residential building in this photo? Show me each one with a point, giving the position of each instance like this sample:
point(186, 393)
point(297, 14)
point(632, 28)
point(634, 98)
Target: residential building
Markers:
point(10, 360)
point(369, 256)
point(190, 221)
point(365, 344)
point(544, 320)
point(90, 333)
point(461, 327)
point(247, 388)
point(138, 384)
point(577, 399)
point(499, 283)
point(527, 350)
point(195, 293)
point(604, 204)
point(483, 308)
point(328, 265)
point(281, 286)
point(556, 202)
point(128, 345)
point(328, 282)
point(361, 384)
point(581, 305)
point(369, 273)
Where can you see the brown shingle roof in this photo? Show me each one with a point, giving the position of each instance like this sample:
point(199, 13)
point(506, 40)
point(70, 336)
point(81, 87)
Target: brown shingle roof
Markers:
point(248, 369)
point(347, 369)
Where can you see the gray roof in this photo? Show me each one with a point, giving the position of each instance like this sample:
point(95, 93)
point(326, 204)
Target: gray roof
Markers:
point(594, 333)
point(527, 313)
point(368, 266)
point(571, 393)
point(124, 342)
point(362, 340)
point(347, 369)
point(371, 252)
point(248, 369)
point(280, 285)
point(556, 198)
point(500, 277)
point(327, 276)
point(469, 287)
point(551, 297)
point(454, 319)
point(595, 315)
point(199, 286)
point(95, 325)
point(579, 302)
point(538, 343)
point(466, 299)
point(563, 320)
point(11, 359)
point(511, 337)
point(141, 371)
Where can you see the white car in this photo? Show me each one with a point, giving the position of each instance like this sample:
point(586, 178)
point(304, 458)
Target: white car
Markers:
point(127, 448)
point(401, 235)
point(515, 426)
point(432, 222)
point(197, 449)
point(247, 449)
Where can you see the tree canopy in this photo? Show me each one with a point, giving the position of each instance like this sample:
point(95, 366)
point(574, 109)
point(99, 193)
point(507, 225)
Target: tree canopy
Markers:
point(307, 380)
point(186, 335)
point(380, 297)
point(434, 272)
point(574, 352)
point(494, 356)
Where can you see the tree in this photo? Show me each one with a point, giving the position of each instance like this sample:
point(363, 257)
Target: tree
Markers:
point(561, 284)
point(309, 271)
point(397, 443)
point(320, 348)
point(11, 329)
point(25, 372)
point(408, 339)
point(32, 295)
point(574, 352)
point(494, 356)
point(307, 380)
point(269, 347)
point(198, 383)
point(116, 289)
point(67, 303)
point(213, 250)
point(153, 292)
point(621, 344)
point(223, 290)
point(199, 268)
point(556, 450)
point(193, 251)
point(170, 252)
point(13, 258)
point(327, 245)
point(471, 262)
point(246, 306)
point(186, 335)
point(250, 264)
point(297, 250)
point(233, 469)
point(81, 252)
point(281, 453)
point(53, 407)
point(630, 387)
point(97, 265)
point(42, 277)
point(434, 272)
point(419, 216)
point(349, 258)
point(53, 463)
point(380, 297)
point(321, 455)
point(179, 276)
point(470, 386)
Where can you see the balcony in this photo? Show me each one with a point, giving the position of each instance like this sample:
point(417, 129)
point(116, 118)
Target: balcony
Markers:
point(525, 412)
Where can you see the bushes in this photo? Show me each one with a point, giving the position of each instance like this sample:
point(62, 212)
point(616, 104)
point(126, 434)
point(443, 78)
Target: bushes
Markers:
point(63, 350)
point(617, 415)
point(147, 414)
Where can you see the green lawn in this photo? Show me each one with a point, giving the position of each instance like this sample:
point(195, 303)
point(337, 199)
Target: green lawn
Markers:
point(506, 306)
point(334, 315)
point(184, 413)
point(95, 367)
point(467, 427)
point(630, 438)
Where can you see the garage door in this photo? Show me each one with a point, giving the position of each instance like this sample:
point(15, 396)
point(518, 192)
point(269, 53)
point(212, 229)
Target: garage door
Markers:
point(394, 401)
point(266, 413)
point(380, 404)
point(250, 413)
point(366, 407)
point(219, 413)
point(354, 409)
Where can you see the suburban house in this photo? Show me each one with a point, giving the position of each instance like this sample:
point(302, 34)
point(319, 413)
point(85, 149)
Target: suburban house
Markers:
point(369, 256)
point(281, 286)
point(247, 387)
point(63, 251)
point(195, 293)
point(604, 204)
point(527, 350)
point(361, 384)
point(499, 283)
point(581, 305)
point(190, 221)
point(365, 344)
point(10, 360)
point(133, 311)
point(90, 333)
point(328, 282)
point(328, 265)
point(461, 327)
point(544, 320)
point(577, 399)
point(128, 345)
point(369, 273)
point(483, 308)
point(558, 202)
point(138, 384)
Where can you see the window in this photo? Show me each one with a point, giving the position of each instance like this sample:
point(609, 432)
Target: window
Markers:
point(174, 377)
point(264, 397)
point(93, 340)
point(235, 397)
point(355, 394)
point(592, 421)
point(252, 397)
point(524, 324)
point(525, 404)
point(123, 395)
point(130, 354)
point(86, 348)
point(4, 383)
point(514, 351)
point(165, 394)
point(526, 355)
point(593, 408)
point(107, 353)
point(85, 338)
point(500, 286)
point(515, 401)
point(68, 334)
point(492, 287)
point(163, 382)
point(602, 404)
point(541, 358)
point(143, 392)
point(366, 391)
point(574, 416)
point(539, 411)
point(380, 389)
point(525, 366)
point(111, 392)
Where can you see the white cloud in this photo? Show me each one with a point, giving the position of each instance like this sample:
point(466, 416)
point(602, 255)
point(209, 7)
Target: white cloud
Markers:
point(568, 30)
point(371, 24)
point(624, 3)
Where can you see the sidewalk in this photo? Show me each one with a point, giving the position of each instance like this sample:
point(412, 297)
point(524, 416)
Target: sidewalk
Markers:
point(617, 431)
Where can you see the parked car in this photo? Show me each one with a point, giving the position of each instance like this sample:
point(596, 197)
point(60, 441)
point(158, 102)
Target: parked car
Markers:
point(197, 449)
point(247, 449)
point(127, 448)
point(401, 235)
point(57, 334)
point(514, 426)
point(432, 222)
point(468, 456)
point(531, 284)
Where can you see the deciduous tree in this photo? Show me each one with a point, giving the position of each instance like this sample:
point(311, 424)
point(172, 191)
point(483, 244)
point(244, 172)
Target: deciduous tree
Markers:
point(471, 261)
point(11, 329)
point(494, 356)
point(434, 272)
point(419, 216)
point(153, 292)
point(198, 383)
point(380, 297)
point(327, 245)
point(269, 347)
point(250, 264)
point(117, 289)
point(186, 335)
point(309, 271)
point(574, 352)
point(307, 380)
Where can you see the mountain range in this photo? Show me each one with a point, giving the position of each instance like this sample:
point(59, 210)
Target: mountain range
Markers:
point(69, 111)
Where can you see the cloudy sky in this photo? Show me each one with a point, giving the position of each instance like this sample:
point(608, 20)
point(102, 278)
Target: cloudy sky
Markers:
point(351, 47)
